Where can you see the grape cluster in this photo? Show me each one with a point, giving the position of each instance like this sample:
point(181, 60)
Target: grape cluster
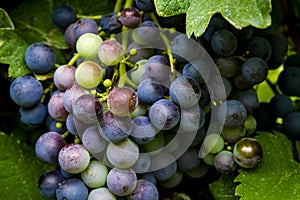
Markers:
point(140, 106)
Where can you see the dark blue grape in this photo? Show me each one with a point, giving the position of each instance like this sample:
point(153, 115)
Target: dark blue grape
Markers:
point(224, 162)
point(292, 60)
point(233, 112)
point(48, 146)
point(224, 42)
point(289, 82)
point(73, 189)
point(85, 25)
point(164, 114)
point(228, 66)
point(266, 120)
point(148, 32)
point(279, 46)
point(63, 16)
point(185, 92)
point(144, 190)
point(33, 116)
point(115, 128)
point(130, 17)
point(157, 67)
point(145, 5)
point(215, 24)
point(250, 101)
point(40, 58)
point(69, 36)
point(149, 176)
point(255, 70)
point(26, 91)
point(142, 130)
point(110, 23)
point(196, 69)
point(166, 164)
point(281, 105)
point(149, 91)
point(185, 49)
point(48, 182)
point(57, 126)
point(189, 159)
point(291, 124)
point(260, 47)
point(71, 124)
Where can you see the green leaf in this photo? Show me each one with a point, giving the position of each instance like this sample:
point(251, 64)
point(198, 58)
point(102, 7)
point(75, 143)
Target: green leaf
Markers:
point(278, 175)
point(171, 7)
point(19, 170)
point(5, 21)
point(12, 51)
point(240, 13)
point(224, 187)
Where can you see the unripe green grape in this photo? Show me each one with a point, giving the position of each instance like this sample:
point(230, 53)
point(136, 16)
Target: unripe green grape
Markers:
point(87, 46)
point(88, 74)
point(250, 125)
point(213, 143)
point(232, 135)
point(155, 146)
point(94, 176)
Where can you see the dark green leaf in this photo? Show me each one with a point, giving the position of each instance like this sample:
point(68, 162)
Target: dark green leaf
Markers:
point(240, 13)
point(19, 170)
point(278, 175)
point(12, 51)
point(224, 188)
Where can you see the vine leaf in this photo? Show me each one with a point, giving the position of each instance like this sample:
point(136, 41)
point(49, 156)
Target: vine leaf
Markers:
point(277, 177)
point(19, 169)
point(12, 52)
point(240, 13)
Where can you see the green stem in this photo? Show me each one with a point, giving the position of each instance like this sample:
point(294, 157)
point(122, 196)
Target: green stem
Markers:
point(46, 91)
point(65, 134)
point(96, 17)
point(74, 59)
point(118, 6)
point(128, 3)
point(272, 86)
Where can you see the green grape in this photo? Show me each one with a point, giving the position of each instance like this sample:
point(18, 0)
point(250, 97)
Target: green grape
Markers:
point(94, 176)
point(87, 46)
point(88, 74)
point(213, 143)
point(250, 125)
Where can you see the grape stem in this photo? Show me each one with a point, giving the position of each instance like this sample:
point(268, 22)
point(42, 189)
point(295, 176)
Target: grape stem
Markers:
point(166, 42)
point(46, 91)
point(74, 59)
point(96, 17)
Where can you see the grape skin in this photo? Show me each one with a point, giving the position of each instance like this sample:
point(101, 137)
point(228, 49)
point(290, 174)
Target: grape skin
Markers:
point(48, 182)
point(72, 188)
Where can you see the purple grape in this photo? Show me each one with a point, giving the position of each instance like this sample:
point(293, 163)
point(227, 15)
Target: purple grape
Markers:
point(130, 17)
point(87, 109)
point(145, 5)
point(64, 77)
point(56, 107)
point(69, 36)
point(70, 95)
point(122, 101)
point(233, 112)
point(73, 158)
point(71, 124)
point(121, 182)
point(85, 25)
point(224, 162)
point(157, 67)
point(26, 91)
point(115, 128)
point(144, 190)
point(164, 114)
point(48, 146)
